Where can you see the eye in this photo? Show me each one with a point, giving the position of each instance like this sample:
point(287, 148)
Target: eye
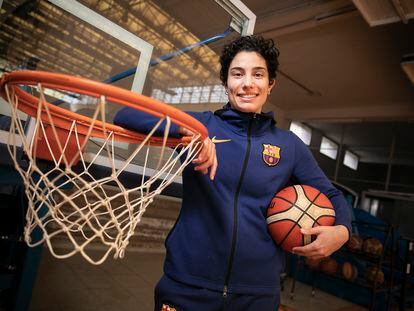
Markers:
point(259, 74)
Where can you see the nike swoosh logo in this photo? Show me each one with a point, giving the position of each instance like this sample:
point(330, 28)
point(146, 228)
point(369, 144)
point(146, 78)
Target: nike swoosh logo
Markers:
point(217, 141)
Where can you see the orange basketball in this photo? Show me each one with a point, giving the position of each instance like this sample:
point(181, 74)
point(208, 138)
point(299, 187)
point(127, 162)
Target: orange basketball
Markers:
point(313, 263)
point(374, 274)
point(355, 243)
point(372, 246)
point(349, 271)
point(297, 207)
point(329, 265)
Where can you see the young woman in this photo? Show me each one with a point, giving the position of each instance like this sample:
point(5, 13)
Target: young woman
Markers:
point(220, 255)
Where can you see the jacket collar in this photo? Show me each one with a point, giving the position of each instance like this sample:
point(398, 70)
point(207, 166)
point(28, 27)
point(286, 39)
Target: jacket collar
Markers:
point(260, 122)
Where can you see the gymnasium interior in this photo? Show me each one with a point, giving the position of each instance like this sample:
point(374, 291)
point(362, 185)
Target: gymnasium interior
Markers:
point(345, 86)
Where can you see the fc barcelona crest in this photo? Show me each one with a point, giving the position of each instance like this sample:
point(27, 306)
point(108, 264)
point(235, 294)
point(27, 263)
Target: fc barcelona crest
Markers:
point(271, 154)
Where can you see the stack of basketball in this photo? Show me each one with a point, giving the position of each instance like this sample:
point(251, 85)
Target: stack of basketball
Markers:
point(373, 247)
point(329, 266)
point(349, 271)
point(313, 264)
point(374, 274)
point(355, 243)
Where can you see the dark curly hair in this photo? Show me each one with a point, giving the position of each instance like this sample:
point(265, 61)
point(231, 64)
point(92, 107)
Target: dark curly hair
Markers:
point(265, 47)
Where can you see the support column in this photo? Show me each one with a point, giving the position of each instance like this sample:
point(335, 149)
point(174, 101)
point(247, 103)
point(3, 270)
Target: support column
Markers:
point(390, 160)
point(339, 155)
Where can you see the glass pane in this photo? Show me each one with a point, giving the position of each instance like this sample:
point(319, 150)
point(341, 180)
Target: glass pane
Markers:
point(351, 160)
point(145, 46)
point(302, 131)
point(329, 148)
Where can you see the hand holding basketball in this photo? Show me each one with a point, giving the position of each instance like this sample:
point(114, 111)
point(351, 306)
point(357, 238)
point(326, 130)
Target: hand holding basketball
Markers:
point(294, 208)
point(328, 240)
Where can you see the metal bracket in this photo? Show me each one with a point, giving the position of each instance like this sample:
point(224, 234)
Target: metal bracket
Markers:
point(243, 19)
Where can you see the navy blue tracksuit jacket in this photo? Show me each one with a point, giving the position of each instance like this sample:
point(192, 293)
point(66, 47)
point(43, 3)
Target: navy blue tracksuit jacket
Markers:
point(220, 240)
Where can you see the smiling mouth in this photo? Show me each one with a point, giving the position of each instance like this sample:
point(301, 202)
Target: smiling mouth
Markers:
point(247, 96)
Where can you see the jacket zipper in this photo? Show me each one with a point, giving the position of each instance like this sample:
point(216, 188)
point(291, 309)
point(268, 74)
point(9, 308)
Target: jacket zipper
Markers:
point(235, 212)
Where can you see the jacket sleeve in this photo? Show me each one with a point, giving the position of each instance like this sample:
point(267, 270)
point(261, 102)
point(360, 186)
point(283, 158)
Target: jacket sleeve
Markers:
point(139, 121)
point(307, 171)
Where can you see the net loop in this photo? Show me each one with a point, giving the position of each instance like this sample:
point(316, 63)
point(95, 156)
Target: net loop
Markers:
point(71, 209)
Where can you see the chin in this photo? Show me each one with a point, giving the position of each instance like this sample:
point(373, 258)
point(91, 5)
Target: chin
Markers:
point(247, 108)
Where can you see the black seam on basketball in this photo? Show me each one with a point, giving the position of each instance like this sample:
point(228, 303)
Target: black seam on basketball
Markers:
point(293, 203)
point(284, 199)
point(313, 202)
point(305, 211)
point(316, 219)
point(287, 234)
point(296, 222)
point(285, 210)
point(281, 220)
point(304, 192)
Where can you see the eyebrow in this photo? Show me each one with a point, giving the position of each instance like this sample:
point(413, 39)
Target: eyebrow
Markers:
point(241, 68)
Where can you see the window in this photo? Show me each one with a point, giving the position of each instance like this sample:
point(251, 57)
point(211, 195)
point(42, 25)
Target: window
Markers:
point(187, 92)
point(157, 94)
point(302, 131)
point(374, 207)
point(366, 204)
point(176, 95)
point(351, 160)
point(205, 94)
point(191, 94)
point(195, 96)
point(370, 205)
point(329, 148)
point(218, 94)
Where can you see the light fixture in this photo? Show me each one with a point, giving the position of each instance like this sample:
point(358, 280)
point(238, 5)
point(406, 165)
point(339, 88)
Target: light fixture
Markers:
point(380, 12)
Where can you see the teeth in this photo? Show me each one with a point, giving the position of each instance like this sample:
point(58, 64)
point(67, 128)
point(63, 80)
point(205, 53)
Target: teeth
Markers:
point(247, 96)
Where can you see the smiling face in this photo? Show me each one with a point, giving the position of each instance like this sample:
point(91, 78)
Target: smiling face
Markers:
point(248, 82)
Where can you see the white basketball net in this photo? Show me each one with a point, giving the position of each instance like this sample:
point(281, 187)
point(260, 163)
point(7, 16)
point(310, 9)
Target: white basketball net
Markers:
point(77, 206)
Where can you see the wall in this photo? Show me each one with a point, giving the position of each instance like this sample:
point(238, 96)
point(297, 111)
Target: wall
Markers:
point(367, 176)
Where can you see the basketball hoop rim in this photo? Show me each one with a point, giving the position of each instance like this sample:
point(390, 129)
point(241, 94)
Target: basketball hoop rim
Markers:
point(62, 118)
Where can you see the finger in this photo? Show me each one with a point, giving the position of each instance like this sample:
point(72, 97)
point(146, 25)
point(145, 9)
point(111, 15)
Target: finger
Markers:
point(213, 168)
point(212, 152)
point(204, 152)
point(202, 160)
point(200, 155)
point(201, 146)
point(300, 249)
point(184, 131)
point(308, 254)
point(205, 165)
point(309, 249)
point(312, 251)
point(311, 231)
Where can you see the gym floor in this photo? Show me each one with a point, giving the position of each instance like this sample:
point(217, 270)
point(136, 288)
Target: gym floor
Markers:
point(127, 284)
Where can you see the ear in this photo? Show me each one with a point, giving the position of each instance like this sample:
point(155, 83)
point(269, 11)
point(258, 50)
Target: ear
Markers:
point(271, 85)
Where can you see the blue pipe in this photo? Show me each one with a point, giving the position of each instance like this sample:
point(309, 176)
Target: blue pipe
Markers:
point(169, 56)
point(163, 58)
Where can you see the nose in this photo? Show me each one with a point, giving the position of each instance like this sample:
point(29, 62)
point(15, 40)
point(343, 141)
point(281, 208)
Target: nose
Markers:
point(248, 81)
